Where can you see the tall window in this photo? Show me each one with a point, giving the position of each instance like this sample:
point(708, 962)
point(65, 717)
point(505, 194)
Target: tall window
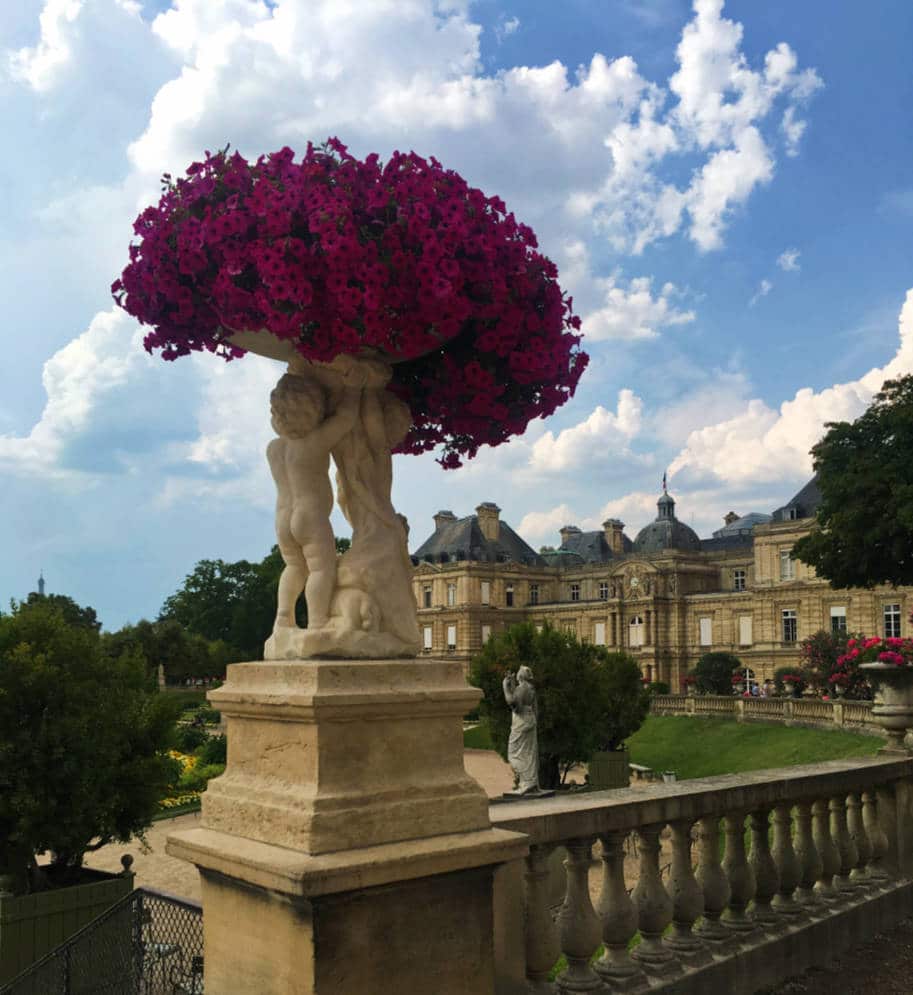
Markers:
point(789, 625)
point(509, 595)
point(486, 592)
point(636, 631)
point(706, 625)
point(486, 633)
point(575, 592)
point(603, 590)
point(451, 595)
point(738, 580)
point(745, 635)
point(599, 633)
point(427, 638)
point(426, 596)
point(892, 620)
point(451, 637)
point(787, 565)
point(838, 620)
point(534, 594)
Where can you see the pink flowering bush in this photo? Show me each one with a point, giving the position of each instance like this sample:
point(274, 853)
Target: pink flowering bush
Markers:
point(891, 649)
point(338, 255)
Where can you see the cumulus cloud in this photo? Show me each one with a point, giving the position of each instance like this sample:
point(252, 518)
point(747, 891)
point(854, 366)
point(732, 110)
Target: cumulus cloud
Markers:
point(600, 432)
point(764, 288)
point(505, 27)
point(543, 526)
point(760, 443)
point(788, 261)
point(634, 312)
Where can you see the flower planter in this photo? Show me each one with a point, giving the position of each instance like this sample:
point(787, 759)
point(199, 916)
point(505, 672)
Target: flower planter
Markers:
point(33, 925)
point(609, 770)
point(893, 701)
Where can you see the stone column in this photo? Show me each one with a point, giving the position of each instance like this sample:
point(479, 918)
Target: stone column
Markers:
point(345, 849)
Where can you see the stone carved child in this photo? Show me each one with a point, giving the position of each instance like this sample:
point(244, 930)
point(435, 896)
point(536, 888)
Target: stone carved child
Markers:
point(523, 746)
point(300, 461)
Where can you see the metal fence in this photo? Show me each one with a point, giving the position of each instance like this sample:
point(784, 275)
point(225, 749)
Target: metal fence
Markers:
point(148, 943)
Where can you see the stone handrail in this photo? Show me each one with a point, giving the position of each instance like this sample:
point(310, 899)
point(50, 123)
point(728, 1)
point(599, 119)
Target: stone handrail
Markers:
point(791, 711)
point(831, 856)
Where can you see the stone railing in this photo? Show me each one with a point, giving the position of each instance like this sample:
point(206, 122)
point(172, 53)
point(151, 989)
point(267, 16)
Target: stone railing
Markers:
point(829, 864)
point(791, 711)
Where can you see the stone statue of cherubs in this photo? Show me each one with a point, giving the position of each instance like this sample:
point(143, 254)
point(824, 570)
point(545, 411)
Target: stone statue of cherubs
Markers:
point(299, 460)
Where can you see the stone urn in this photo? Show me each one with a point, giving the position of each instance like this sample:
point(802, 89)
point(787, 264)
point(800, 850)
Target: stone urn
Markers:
point(893, 702)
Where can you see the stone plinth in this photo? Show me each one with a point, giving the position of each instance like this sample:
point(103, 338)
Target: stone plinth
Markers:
point(345, 848)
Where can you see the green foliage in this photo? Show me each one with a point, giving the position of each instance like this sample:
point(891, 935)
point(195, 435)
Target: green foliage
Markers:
point(168, 643)
point(479, 737)
point(82, 741)
point(587, 698)
point(658, 687)
point(818, 654)
point(714, 672)
point(199, 776)
point(73, 614)
point(695, 747)
point(188, 739)
point(211, 716)
point(213, 750)
point(864, 532)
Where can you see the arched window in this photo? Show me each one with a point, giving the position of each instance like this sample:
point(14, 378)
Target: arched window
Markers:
point(636, 631)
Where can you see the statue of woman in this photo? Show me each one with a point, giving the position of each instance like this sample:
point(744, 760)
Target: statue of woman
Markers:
point(523, 746)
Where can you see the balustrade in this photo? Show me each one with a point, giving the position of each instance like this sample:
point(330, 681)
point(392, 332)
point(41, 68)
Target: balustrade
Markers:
point(825, 840)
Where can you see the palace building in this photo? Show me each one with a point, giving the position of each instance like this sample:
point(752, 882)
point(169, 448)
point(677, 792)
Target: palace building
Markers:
point(666, 596)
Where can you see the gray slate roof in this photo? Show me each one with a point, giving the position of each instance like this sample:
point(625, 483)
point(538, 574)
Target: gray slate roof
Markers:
point(592, 547)
point(742, 525)
point(805, 503)
point(666, 531)
point(462, 539)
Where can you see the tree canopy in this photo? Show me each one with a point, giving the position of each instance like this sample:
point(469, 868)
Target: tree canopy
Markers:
point(588, 699)
point(73, 613)
point(864, 532)
point(714, 672)
point(82, 744)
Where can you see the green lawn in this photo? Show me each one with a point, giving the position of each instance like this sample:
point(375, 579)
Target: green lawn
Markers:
point(695, 747)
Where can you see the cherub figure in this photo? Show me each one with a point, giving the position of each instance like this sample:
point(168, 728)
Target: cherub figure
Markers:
point(300, 461)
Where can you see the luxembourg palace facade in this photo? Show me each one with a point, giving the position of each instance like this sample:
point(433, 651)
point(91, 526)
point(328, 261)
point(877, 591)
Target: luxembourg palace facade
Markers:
point(666, 597)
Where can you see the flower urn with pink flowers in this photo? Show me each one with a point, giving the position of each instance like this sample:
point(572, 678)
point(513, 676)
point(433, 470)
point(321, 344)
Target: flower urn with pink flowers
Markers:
point(888, 664)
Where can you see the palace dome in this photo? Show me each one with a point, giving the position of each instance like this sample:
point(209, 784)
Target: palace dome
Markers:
point(666, 531)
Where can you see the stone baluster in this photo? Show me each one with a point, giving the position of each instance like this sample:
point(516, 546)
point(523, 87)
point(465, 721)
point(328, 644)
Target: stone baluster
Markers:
point(542, 946)
point(687, 899)
point(846, 848)
point(877, 837)
point(741, 877)
point(618, 915)
point(827, 851)
point(713, 881)
point(887, 821)
point(654, 906)
point(810, 864)
point(767, 881)
point(787, 863)
point(859, 875)
point(577, 920)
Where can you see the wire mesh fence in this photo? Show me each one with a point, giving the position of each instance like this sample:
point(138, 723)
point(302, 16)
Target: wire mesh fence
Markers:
point(148, 943)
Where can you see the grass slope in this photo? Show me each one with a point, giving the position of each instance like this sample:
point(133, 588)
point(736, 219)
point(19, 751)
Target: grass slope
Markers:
point(694, 747)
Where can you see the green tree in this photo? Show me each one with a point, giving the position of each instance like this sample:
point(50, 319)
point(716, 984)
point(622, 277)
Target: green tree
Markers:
point(864, 530)
point(181, 653)
point(82, 745)
point(587, 698)
point(714, 672)
point(73, 613)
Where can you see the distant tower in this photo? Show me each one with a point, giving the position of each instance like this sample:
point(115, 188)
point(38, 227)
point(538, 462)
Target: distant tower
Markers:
point(41, 584)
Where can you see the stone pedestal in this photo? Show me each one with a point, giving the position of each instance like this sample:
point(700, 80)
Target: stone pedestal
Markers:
point(345, 849)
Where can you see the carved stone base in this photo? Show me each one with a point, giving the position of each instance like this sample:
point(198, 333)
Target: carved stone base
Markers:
point(334, 643)
point(328, 755)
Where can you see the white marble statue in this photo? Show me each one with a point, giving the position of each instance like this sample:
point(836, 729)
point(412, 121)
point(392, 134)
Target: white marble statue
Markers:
point(523, 745)
point(360, 604)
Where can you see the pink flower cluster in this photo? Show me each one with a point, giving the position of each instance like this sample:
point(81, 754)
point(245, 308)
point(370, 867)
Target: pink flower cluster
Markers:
point(338, 255)
point(891, 649)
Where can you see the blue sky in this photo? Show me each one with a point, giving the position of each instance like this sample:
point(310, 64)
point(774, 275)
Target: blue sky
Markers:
point(727, 191)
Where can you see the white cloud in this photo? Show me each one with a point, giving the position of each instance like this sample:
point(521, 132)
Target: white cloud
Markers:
point(603, 431)
point(633, 312)
point(788, 261)
point(543, 526)
point(764, 288)
point(506, 27)
point(761, 443)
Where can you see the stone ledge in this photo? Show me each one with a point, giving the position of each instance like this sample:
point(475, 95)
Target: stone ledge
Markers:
point(298, 875)
point(773, 959)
